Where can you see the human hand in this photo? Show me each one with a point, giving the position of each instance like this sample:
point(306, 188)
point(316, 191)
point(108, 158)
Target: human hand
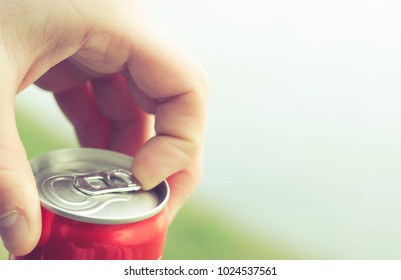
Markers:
point(119, 79)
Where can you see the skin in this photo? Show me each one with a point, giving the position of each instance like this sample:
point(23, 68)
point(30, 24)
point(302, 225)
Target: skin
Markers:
point(121, 81)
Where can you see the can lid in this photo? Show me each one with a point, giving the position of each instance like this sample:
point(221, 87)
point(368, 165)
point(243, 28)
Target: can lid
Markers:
point(94, 186)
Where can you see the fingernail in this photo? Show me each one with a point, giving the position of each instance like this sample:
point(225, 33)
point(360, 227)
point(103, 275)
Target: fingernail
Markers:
point(13, 229)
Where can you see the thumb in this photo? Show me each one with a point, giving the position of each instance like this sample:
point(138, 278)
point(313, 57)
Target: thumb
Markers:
point(19, 203)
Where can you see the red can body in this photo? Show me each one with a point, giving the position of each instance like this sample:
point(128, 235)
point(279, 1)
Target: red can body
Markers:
point(66, 239)
point(93, 209)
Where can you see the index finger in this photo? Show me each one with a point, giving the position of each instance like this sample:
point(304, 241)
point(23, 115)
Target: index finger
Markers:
point(163, 72)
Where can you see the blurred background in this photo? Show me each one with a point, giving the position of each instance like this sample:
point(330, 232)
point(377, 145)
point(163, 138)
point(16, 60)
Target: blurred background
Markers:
point(303, 150)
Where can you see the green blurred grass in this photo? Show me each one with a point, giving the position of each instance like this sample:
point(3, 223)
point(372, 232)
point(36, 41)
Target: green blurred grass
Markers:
point(198, 232)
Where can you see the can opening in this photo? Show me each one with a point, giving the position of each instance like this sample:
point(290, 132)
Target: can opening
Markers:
point(121, 178)
point(96, 183)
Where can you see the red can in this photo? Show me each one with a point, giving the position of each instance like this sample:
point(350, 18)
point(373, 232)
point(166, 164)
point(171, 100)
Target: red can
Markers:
point(93, 208)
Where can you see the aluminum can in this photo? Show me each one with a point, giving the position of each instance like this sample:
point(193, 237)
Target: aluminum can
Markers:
point(94, 209)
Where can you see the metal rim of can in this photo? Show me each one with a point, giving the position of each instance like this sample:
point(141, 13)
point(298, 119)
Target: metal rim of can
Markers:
point(81, 155)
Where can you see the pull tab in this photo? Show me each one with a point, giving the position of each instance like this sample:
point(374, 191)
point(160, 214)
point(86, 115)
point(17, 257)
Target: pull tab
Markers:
point(101, 182)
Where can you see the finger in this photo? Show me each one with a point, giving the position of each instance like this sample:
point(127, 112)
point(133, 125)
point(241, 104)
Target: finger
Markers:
point(20, 221)
point(67, 75)
point(79, 106)
point(178, 85)
point(182, 184)
point(63, 77)
point(130, 126)
point(73, 93)
point(179, 134)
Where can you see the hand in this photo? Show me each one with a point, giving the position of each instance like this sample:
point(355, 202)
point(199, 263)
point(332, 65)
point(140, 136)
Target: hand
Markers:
point(119, 79)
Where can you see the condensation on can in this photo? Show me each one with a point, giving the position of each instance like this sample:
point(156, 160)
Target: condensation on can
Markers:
point(113, 225)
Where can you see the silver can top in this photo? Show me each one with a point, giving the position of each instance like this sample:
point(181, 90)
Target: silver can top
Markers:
point(94, 186)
